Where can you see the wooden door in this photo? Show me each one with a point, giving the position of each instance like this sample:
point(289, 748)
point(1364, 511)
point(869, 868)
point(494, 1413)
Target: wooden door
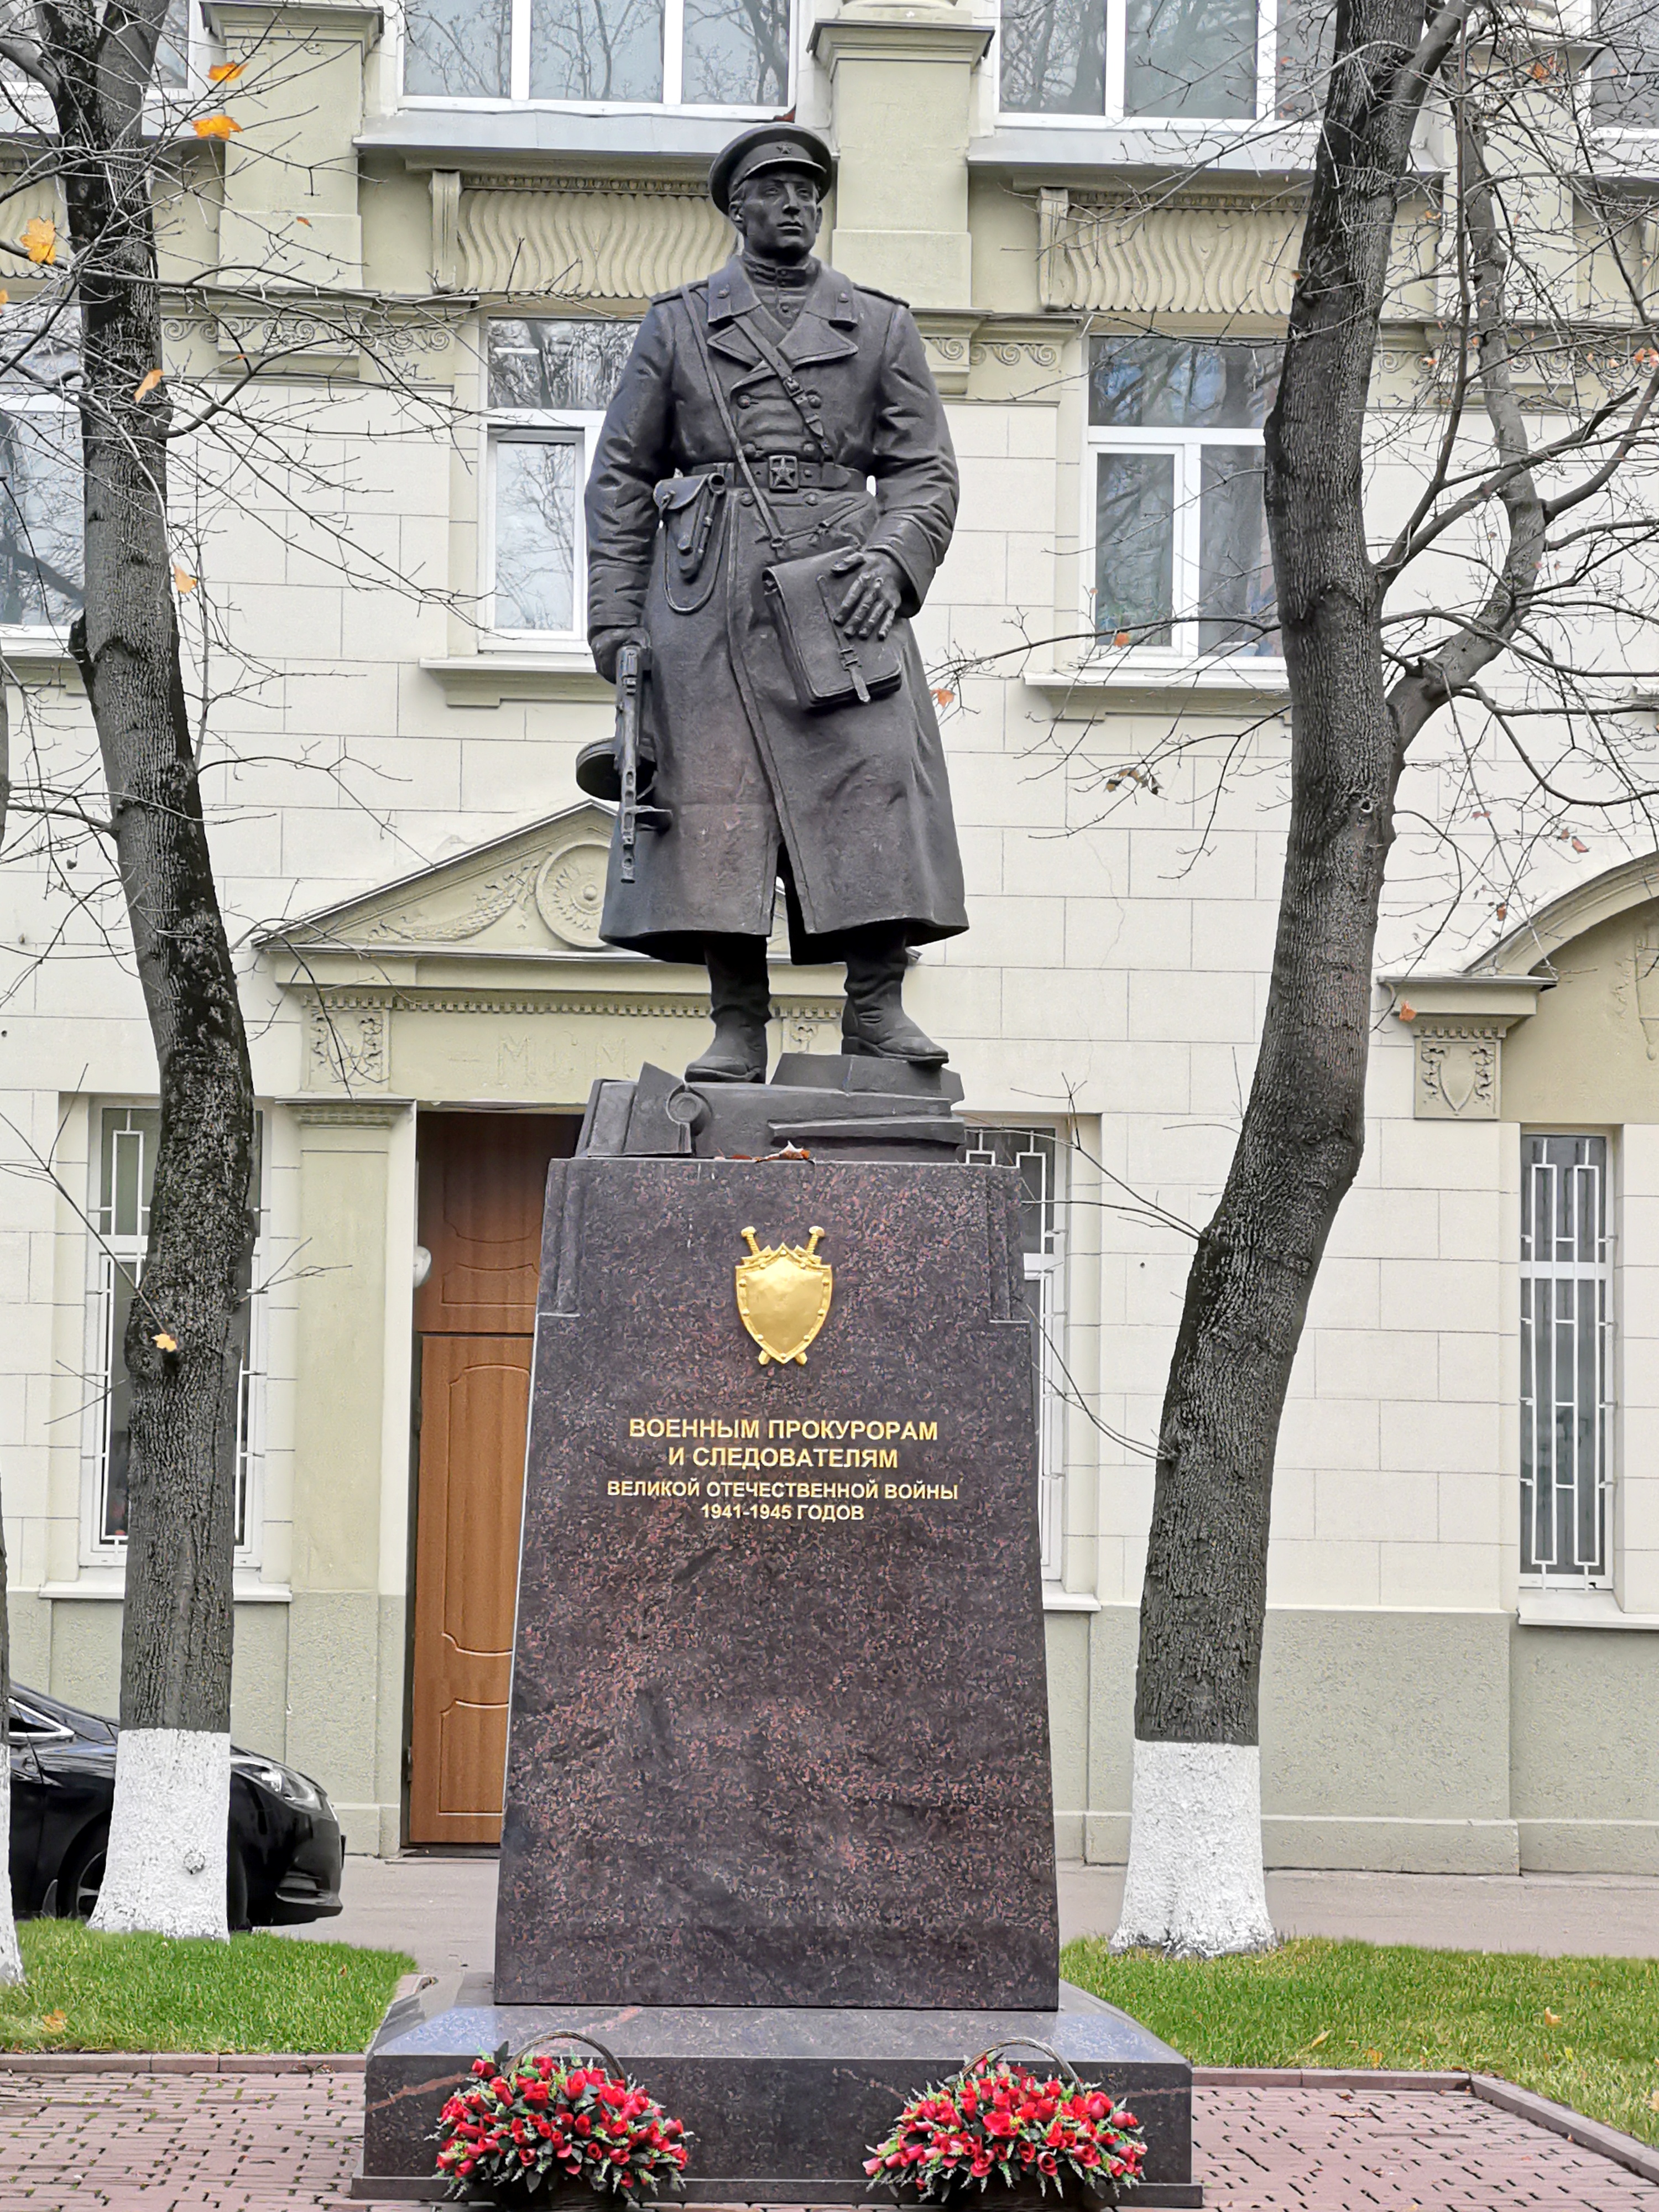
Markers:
point(482, 1179)
point(474, 1399)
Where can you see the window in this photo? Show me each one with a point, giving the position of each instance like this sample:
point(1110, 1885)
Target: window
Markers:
point(1166, 60)
point(123, 1177)
point(1624, 73)
point(1182, 562)
point(695, 53)
point(1035, 1155)
point(1566, 1359)
point(550, 385)
point(40, 536)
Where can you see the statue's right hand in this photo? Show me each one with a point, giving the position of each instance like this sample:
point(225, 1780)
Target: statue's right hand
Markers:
point(608, 643)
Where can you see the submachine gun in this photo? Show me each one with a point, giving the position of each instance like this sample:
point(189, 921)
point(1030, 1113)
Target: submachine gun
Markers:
point(613, 771)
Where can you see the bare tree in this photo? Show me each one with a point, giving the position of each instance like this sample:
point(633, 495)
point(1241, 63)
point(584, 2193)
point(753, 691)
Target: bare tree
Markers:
point(81, 84)
point(1519, 588)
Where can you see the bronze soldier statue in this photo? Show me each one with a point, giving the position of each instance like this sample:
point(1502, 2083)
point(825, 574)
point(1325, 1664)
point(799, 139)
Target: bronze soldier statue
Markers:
point(785, 728)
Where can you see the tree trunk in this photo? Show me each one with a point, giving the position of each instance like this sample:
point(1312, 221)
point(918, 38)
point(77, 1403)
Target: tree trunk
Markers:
point(1204, 1602)
point(165, 1867)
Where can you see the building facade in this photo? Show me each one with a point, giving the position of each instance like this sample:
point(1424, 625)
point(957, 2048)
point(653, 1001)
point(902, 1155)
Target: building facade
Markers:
point(432, 233)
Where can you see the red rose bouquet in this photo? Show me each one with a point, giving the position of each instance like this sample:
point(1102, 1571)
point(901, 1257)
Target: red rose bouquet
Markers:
point(997, 2125)
point(528, 2125)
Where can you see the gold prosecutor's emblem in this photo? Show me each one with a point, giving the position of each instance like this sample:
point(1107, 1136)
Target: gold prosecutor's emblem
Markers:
point(783, 1295)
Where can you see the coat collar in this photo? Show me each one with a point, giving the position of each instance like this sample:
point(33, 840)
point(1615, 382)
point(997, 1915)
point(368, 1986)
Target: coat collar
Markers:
point(831, 297)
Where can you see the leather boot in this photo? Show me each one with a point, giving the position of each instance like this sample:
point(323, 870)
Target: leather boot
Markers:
point(874, 1024)
point(740, 1000)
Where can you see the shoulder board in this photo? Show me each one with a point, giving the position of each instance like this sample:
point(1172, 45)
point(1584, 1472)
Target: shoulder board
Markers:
point(678, 292)
point(892, 298)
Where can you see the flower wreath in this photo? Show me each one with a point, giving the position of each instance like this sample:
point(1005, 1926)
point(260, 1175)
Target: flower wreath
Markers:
point(995, 2124)
point(545, 2119)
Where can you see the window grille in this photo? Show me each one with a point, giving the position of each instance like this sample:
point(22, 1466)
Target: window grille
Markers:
point(125, 1172)
point(1566, 1356)
point(1036, 1155)
point(724, 54)
point(1182, 562)
point(551, 381)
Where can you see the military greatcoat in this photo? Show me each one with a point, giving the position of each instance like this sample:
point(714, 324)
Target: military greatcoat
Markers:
point(854, 803)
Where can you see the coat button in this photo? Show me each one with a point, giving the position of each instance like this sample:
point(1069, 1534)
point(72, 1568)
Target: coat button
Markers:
point(746, 498)
point(744, 398)
point(811, 498)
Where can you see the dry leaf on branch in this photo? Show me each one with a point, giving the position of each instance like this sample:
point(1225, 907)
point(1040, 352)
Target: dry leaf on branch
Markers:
point(184, 582)
point(216, 126)
point(164, 1342)
point(152, 378)
point(225, 72)
point(38, 239)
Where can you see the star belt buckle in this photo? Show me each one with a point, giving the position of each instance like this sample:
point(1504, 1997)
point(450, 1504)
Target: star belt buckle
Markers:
point(783, 472)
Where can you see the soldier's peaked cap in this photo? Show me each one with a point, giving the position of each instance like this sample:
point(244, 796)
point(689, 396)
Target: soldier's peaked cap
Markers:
point(768, 146)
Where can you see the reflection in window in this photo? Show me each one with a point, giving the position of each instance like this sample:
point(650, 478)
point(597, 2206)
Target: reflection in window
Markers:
point(737, 53)
point(1307, 40)
point(550, 380)
point(1189, 58)
point(1234, 567)
point(536, 494)
point(1193, 58)
point(1054, 56)
point(463, 48)
point(1182, 556)
point(41, 512)
point(1134, 542)
point(128, 1136)
point(596, 50)
point(1625, 69)
point(711, 53)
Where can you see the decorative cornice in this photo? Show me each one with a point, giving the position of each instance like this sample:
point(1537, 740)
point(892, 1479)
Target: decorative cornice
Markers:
point(1201, 252)
point(486, 999)
point(1498, 1001)
point(349, 1113)
point(909, 38)
point(576, 238)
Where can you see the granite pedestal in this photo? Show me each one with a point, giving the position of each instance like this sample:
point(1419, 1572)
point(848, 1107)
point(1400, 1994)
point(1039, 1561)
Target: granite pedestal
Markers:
point(779, 1823)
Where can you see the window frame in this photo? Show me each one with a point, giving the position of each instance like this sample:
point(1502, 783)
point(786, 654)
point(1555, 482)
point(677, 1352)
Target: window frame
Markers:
point(1602, 1273)
point(106, 1250)
point(24, 401)
point(537, 427)
point(553, 426)
point(673, 76)
point(1112, 116)
point(1186, 447)
point(1047, 1269)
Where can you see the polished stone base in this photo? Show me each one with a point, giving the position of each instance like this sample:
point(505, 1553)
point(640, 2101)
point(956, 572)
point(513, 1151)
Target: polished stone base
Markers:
point(780, 2103)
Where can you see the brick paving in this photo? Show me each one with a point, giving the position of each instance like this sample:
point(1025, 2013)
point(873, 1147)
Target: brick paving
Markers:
point(252, 2142)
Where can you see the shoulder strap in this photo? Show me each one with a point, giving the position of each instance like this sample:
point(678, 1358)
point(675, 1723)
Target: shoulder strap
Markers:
point(769, 519)
point(792, 385)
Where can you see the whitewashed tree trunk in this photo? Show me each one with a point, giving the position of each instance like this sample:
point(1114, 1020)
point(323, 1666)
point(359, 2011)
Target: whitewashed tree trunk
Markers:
point(1194, 1886)
point(166, 1865)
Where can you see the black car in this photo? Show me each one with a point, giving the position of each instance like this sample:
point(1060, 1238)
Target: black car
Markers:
point(284, 1842)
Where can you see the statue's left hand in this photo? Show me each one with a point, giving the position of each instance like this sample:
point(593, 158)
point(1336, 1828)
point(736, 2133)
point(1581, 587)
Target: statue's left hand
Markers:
point(872, 603)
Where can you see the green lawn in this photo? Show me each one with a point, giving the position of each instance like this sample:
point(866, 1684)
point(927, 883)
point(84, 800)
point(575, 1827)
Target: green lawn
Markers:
point(1582, 2031)
point(257, 1992)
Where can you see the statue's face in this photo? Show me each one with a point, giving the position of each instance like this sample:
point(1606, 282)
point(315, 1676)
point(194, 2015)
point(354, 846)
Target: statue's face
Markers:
point(777, 213)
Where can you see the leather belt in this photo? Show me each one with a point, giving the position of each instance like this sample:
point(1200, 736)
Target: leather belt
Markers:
point(786, 472)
